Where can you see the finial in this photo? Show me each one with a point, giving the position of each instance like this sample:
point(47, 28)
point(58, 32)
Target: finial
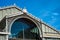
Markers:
point(14, 4)
point(25, 10)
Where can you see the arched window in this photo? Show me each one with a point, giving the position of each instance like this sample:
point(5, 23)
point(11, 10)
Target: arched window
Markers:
point(24, 28)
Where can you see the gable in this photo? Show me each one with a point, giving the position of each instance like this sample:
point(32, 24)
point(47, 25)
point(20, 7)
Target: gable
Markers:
point(9, 11)
point(48, 29)
point(15, 11)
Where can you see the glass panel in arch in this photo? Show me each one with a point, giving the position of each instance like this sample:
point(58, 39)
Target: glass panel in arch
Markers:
point(24, 29)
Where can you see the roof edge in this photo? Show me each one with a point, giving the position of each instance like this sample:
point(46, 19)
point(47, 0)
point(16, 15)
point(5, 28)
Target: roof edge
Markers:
point(15, 6)
point(11, 6)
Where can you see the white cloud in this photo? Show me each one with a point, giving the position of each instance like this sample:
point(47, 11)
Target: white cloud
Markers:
point(52, 17)
point(53, 20)
point(45, 13)
point(55, 14)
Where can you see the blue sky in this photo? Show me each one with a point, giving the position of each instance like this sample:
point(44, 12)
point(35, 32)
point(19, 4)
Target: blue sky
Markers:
point(47, 10)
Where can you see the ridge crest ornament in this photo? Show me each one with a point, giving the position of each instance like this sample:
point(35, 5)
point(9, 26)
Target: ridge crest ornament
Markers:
point(25, 10)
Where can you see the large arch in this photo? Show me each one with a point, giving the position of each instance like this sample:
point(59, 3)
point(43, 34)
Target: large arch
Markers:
point(26, 19)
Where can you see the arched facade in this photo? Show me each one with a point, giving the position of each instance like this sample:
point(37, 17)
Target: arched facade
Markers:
point(12, 15)
point(31, 21)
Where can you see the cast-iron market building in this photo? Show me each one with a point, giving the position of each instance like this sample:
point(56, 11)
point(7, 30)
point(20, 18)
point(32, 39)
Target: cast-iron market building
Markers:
point(18, 24)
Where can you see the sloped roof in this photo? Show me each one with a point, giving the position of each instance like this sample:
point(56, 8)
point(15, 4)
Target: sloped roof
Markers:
point(39, 20)
point(12, 6)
